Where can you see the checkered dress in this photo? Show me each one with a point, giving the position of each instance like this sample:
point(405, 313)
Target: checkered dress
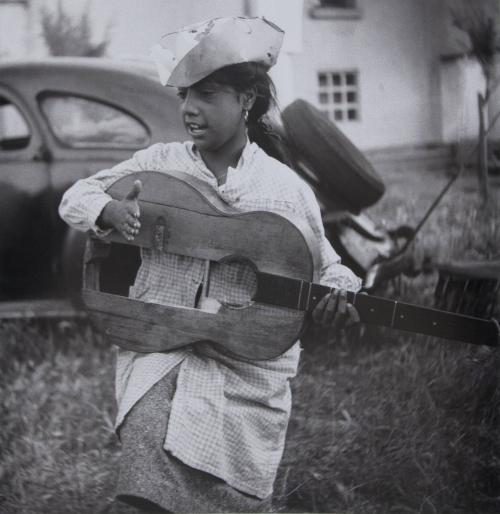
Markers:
point(228, 417)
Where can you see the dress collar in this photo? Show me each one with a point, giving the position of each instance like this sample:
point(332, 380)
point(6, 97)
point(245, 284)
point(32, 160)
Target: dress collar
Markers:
point(245, 158)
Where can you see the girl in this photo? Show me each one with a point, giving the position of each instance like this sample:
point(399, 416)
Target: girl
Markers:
point(200, 430)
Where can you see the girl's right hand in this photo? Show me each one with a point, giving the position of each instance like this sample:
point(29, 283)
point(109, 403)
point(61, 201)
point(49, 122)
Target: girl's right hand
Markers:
point(123, 215)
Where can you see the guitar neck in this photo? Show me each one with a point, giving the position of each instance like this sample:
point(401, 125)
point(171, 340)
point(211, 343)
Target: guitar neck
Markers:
point(301, 295)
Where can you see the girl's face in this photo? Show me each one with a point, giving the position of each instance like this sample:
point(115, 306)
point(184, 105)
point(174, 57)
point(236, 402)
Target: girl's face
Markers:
point(213, 115)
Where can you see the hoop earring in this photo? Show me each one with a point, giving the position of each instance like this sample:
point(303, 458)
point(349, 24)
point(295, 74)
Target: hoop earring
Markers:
point(245, 115)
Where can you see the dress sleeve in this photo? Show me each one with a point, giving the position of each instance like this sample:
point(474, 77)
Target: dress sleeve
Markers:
point(84, 201)
point(332, 272)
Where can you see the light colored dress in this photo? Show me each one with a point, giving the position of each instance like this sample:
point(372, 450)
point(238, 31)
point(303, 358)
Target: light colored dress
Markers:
point(228, 417)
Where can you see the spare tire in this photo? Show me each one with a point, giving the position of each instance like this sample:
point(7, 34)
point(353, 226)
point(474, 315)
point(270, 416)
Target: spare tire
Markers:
point(340, 166)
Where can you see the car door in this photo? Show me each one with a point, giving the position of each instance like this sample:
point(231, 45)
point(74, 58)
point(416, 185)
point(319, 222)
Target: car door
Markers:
point(88, 135)
point(24, 187)
point(95, 117)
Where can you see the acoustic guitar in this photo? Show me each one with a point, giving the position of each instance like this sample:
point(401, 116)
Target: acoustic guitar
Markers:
point(182, 215)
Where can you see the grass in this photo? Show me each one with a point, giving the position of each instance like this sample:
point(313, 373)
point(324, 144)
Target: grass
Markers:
point(395, 422)
point(58, 448)
point(382, 421)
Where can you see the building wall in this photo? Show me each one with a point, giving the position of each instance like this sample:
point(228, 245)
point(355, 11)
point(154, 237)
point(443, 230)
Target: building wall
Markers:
point(462, 78)
point(494, 106)
point(13, 30)
point(392, 44)
point(140, 24)
point(460, 81)
point(133, 26)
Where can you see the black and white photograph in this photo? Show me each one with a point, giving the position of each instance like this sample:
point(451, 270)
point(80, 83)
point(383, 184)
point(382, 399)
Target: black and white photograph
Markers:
point(249, 256)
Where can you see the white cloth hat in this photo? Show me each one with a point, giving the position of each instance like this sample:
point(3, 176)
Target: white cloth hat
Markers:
point(194, 52)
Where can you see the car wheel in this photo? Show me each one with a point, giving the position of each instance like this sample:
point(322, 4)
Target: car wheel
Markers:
point(322, 147)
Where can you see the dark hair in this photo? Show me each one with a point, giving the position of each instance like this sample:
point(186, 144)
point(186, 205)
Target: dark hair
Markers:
point(247, 75)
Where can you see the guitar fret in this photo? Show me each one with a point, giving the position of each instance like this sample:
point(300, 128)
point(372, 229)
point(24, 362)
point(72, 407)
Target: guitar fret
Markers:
point(308, 296)
point(299, 298)
point(393, 314)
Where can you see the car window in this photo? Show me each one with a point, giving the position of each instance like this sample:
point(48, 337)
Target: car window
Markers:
point(81, 122)
point(15, 133)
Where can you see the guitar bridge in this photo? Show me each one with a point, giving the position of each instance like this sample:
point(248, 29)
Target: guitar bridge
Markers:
point(160, 235)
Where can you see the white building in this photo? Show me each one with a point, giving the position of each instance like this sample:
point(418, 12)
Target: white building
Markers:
point(390, 73)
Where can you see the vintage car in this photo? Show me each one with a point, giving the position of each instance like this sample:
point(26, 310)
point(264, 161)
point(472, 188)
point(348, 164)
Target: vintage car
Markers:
point(63, 119)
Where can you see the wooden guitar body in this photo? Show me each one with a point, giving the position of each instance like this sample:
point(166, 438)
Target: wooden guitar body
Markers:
point(182, 215)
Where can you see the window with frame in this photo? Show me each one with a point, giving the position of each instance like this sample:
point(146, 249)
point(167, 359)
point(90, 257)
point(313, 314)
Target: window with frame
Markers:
point(88, 123)
point(15, 134)
point(338, 95)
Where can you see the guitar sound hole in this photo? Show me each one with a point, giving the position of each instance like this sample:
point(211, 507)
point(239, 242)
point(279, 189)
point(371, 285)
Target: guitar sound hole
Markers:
point(233, 282)
point(119, 269)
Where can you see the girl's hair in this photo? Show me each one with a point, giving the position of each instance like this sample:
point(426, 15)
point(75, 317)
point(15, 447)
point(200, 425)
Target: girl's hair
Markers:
point(248, 75)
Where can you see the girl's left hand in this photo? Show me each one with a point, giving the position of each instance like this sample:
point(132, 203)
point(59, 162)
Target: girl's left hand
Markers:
point(333, 314)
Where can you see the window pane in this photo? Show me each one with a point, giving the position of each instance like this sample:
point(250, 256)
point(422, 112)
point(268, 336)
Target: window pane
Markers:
point(351, 97)
point(338, 115)
point(340, 94)
point(87, 123)
point(345, 4)
point(350, 79)
point(337, 98)
point(323, 98)
point(323, 79)
point(14, 131)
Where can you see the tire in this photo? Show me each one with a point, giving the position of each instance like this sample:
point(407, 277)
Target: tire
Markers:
point(341, 167)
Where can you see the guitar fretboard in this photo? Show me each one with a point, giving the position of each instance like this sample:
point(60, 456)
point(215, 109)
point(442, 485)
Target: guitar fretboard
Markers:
point(302, 295)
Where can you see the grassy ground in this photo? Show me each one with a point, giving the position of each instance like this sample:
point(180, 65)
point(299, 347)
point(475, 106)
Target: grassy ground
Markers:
point(395, 422)
point(382, 421)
